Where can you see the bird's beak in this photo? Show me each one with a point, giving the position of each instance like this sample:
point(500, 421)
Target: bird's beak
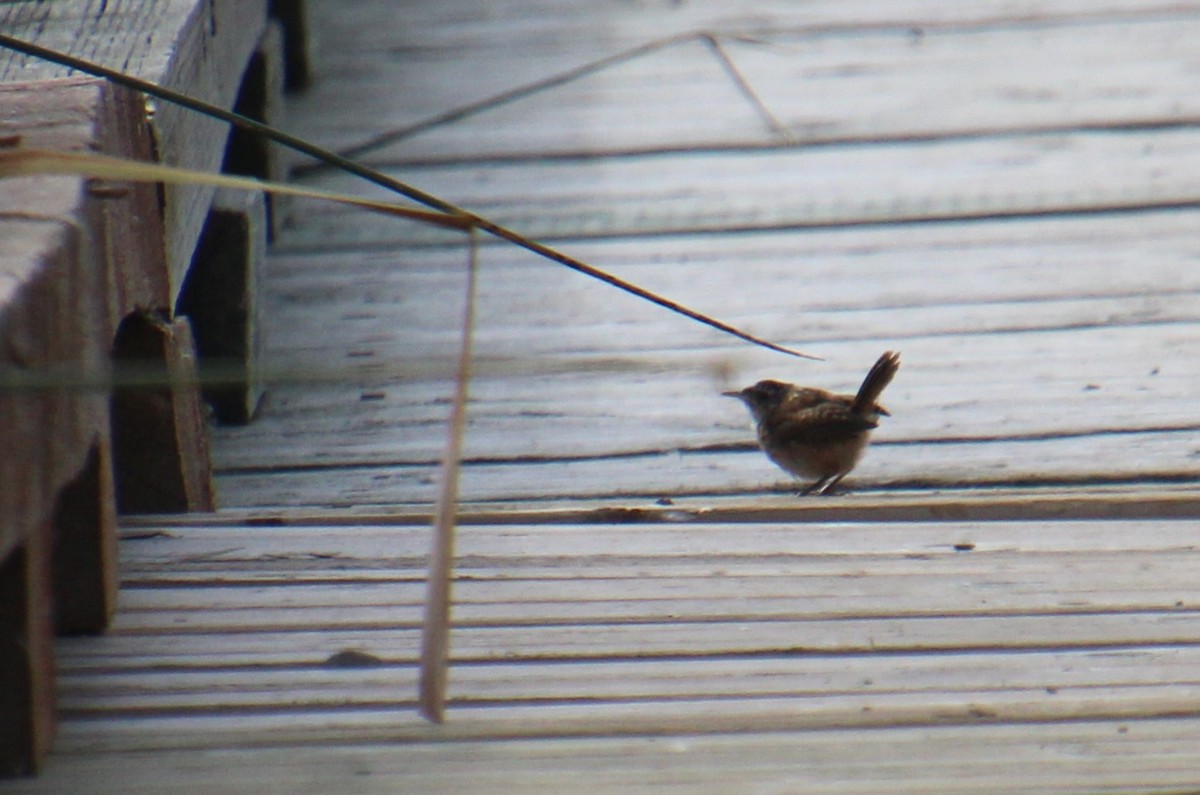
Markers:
point(882, 410)
point(732, 394)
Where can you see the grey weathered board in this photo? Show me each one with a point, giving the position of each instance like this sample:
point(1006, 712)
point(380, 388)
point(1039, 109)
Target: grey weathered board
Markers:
point(1006, 195)
point(1032, 356)
point(832, 70)
point(1070, 757)
point(668, 643)
point(200, 49)
point(1003, 175)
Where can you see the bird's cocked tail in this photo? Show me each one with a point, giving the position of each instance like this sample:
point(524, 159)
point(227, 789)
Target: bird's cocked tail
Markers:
point(881, 374)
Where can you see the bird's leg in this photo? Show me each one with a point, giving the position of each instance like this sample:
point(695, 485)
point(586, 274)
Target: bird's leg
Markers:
point(819, 485)
point(830, 483)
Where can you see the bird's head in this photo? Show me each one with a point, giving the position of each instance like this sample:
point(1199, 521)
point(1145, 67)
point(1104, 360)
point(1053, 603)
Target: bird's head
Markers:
point(762, 397)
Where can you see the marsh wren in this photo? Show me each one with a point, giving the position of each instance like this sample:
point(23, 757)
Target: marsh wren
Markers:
point(812, 433)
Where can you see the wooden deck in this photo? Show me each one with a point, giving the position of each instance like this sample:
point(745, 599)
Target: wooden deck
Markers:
point(689, 656)
point(1006, 602)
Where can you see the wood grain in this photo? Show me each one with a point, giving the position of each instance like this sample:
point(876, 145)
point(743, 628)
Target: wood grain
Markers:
point(582, 638)
point(200, 49)
point(1105, 330)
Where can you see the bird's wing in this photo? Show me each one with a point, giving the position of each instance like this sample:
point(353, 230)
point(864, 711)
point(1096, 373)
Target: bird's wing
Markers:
point(828, 423)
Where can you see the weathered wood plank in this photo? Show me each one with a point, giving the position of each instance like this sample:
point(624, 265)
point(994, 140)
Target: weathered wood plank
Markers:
point(995, 284)
point(162, 462)
point(1114, 502)
point(1017, 175)
point(1149, 756)
point(220, 296)
point(74, 256)
point(591, 592)
point(858, 63)
point(993, 277)
point(680, 410)
point(530, 594)
point(979, 265)
point(56, 286)
point(199, 49)
point(184, 674)
point(1067, 674)
point(84, 575)
point(156, 544)
point(766, 636)
point(584, 550)
point(674, 428)
point(853, 292)
point(860, 84)
point(399, 725)
point(673, 475)
point(27, 695)
point(778, 711)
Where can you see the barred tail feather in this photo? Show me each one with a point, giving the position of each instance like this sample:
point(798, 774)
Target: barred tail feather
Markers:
point(873, 385)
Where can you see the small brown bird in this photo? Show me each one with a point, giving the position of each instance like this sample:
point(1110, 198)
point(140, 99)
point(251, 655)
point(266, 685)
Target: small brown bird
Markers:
point(812, 433)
